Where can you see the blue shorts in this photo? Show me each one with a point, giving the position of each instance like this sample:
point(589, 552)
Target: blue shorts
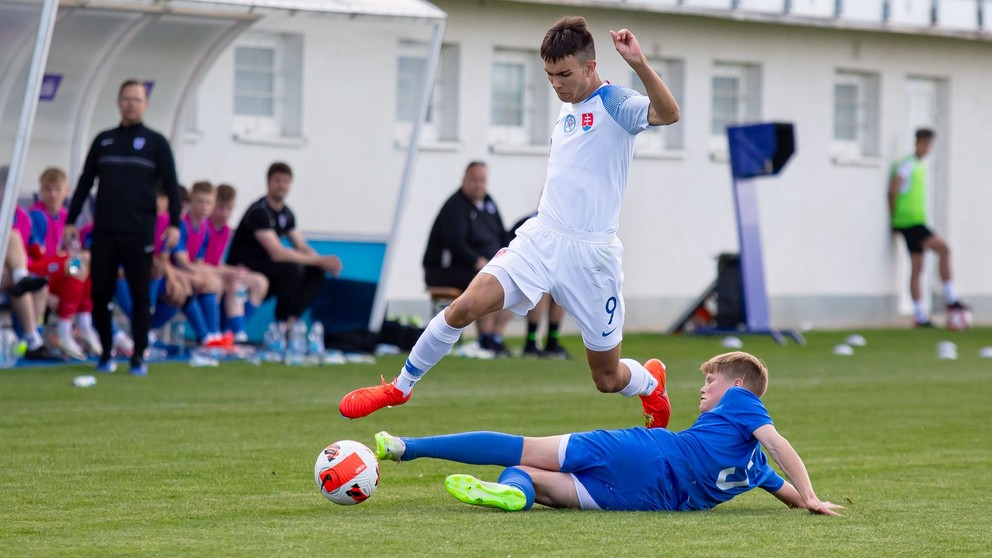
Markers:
point(621, 469)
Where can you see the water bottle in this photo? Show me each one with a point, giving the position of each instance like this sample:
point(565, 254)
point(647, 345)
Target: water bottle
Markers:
point(75, 264)
point(274, 341)
point(240, 293)
point(177, 335)
point(296, 348)
point(315, 342)
point(8, 348)
point(274, 344)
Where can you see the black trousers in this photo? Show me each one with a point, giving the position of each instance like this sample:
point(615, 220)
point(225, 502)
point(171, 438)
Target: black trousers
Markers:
point(133, 252)
point(457, 277)
point(294, 286)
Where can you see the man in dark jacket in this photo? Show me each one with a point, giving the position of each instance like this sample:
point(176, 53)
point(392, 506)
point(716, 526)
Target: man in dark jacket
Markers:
point(466, 235)
point(129, 161)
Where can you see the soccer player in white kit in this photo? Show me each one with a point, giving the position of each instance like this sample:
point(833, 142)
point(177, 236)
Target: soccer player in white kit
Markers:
point(570, 249)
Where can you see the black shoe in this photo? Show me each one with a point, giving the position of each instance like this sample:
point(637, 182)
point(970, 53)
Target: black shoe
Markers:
point(41, 353)
point(531, 350)
point(958, 305)
point(28, 284)
point(556, 352)
point(924, 325)
point(499, 349)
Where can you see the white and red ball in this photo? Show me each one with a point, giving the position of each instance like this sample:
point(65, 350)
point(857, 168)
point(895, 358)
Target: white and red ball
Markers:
point(958, 319)
point(346, 472)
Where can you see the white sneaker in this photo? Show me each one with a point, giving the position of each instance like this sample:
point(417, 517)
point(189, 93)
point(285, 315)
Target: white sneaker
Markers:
point(69, 346)
point(91, 339)
point(123, 344)
point(389, 447)
point(241, 337)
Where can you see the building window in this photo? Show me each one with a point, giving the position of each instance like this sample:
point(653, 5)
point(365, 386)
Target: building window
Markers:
point(519, 114)
point(268, 85)
point(736, 98)
point(441, 122)
point(658, 139)
point(856, 109)
point(255, 81)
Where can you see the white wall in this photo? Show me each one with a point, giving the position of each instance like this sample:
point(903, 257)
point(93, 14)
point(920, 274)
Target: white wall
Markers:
point(828, 254)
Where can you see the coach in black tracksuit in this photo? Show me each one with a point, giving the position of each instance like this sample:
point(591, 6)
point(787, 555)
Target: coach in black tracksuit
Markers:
point(295, 272)
point(467, 233)
point(130, 161)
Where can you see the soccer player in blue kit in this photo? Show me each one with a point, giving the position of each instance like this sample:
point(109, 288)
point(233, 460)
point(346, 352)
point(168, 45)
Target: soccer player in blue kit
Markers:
point(570, 249)
point(636, 469)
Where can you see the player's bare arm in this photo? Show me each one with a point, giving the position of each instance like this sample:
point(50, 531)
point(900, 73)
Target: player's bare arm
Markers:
point(895, 184)
point(785, 455)
point(664, 108)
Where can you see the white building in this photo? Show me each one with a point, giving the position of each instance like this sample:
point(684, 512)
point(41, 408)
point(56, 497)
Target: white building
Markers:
point(335, 99)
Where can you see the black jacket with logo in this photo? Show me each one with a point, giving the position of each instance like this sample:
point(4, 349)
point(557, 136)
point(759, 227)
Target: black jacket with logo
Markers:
point(129, 162)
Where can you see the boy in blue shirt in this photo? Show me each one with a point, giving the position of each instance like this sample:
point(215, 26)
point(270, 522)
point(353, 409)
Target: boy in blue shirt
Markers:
point(636, 469)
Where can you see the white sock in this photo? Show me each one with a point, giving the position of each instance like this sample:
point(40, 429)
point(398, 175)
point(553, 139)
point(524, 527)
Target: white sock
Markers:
point(920, 312)
point(950, 293)
point(84, 320)
point(18, 273)
point(641, 381)
point(432, 345)
point(34, 339)
point(64, 328)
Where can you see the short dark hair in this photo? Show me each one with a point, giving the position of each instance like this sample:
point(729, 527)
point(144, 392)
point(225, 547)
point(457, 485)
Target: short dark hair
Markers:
point(279, 167)
point(131, 82)
point(474, 164)
point(925, 133)
point(184, 195)
point(225, 193)
point(568, 37)
point(202, 187)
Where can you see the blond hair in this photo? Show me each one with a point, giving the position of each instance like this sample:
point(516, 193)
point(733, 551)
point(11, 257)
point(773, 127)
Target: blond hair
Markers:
point(53, 175)
point(739, 364)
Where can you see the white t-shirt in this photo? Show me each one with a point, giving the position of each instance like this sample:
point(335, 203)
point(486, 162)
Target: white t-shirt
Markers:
point(591, 149)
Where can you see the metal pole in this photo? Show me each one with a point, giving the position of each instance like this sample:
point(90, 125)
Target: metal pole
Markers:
point(379, 302)
point(39, 58)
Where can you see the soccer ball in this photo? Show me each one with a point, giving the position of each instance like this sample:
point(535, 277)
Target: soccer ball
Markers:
point(346, 472)
point(958, 320)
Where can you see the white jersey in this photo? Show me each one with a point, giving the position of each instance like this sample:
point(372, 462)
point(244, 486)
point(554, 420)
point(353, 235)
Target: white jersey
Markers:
point(591, 149)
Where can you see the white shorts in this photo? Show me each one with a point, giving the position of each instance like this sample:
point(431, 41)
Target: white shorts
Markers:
point(582, 271)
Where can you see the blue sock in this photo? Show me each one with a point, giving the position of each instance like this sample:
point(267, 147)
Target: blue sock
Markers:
point(249, 310)
point(518, 478)
point(236, 323)
point(163, 313)
point(475, 448)
point(211, 311)
point(194, 315)
point(18, 326)
point(123, 295)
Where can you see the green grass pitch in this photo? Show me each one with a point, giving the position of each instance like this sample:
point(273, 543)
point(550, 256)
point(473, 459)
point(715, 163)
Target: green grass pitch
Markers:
point(218, 461)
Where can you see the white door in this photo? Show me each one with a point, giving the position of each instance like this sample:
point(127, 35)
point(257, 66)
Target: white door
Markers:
point(924, 109)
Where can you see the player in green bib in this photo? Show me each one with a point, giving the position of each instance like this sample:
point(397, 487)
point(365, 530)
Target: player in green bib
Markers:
point(908, 211)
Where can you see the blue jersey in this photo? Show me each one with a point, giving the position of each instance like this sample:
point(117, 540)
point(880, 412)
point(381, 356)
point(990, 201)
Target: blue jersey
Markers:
point(721, 458)
point(183, 235)
point(714, 460)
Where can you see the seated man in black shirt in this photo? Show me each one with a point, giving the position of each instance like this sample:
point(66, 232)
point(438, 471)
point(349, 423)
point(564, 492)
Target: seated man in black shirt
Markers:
point(295, 273)
point(466, 235)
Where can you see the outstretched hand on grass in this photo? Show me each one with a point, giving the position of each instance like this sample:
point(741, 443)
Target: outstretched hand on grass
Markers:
point(823, 508)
